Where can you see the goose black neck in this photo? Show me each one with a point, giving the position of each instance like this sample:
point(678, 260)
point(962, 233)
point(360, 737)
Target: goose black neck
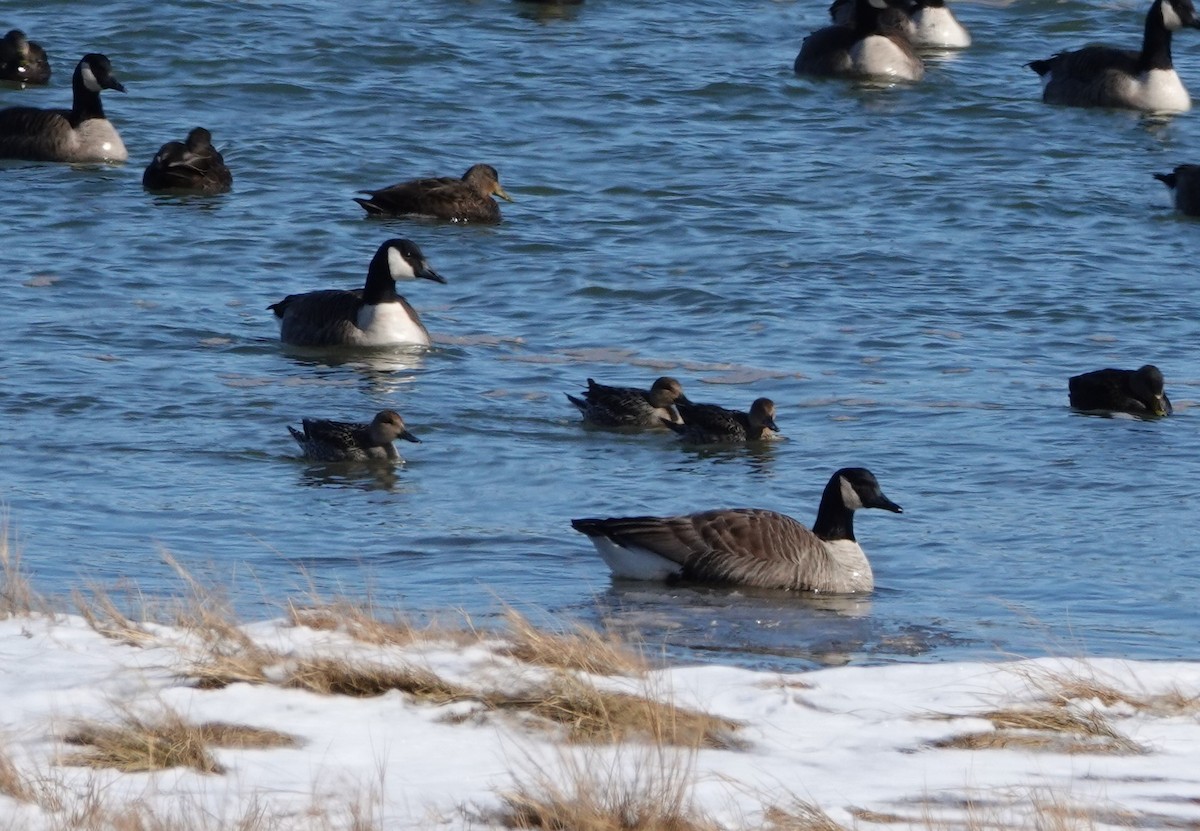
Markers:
point(834, 520)
point(381, 286)
point(1156, 43)
point(85, 103)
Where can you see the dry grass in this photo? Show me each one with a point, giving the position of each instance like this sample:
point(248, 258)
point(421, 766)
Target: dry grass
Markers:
point(1046, 727)
point(17, 597)
point(799, 816)
point(141, 744)
point(330, 676)
point(579, 648)
point(1067, 689)
point(13, 783)
point(105, 617)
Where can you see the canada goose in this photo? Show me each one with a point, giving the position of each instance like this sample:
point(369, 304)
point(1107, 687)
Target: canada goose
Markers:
point(1136, 391)
point(194, 165)
point(607, 406)
point(468, 199)
point(81, 134)
point(1184, 183)
point(1103, 76)
point(23, 61)
point(875, 46)
point(749, 546)
point(345, 441)
point(928, 24)
point(710, 424)
point(374, 315)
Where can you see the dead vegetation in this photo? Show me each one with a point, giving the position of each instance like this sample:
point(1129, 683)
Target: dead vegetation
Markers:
point(17, 597)
point(578, 648)
point(799, 816)
point(331, 676)
point(1047, 727)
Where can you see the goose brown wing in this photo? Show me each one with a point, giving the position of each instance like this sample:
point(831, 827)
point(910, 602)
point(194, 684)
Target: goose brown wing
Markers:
point(1088, 76)
point(318, 318)
point(34, 134)
point(825, 52)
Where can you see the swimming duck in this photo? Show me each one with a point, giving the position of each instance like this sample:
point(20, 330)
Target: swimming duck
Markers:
point(374, 315)
point(928, 24)
point(710, 424)
point(875, 46)
point(468, 199)
point(749, 546)
point(1184, 183)
point(81, 134)
point(1103, 76)
point(346, 441)
point(1136, 391)
point(23, 61)
point(606, 406)
point(194, 165)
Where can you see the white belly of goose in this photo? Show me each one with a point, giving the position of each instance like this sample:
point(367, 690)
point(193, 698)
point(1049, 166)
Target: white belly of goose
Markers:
point(1157, 91)
point(854, 570)
point(937, 27)
point(387, 324)
point(97, 140)
point(634, 563)
point(879, 56)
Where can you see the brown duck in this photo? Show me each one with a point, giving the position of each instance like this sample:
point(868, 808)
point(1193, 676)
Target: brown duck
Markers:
point(468, 199)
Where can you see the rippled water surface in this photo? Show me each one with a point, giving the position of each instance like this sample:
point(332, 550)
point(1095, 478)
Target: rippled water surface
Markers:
point(910, 273)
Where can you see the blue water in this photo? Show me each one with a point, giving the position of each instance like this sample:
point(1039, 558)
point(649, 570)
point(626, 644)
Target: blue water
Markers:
point(911, 273)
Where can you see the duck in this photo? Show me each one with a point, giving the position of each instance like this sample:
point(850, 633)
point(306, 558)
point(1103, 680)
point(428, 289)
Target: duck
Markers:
point(1136, 391)
point(748, 546)
point(876, 46)
point(712, 424)
point(1184, 183)
point(374, 315)
point(193, 165)
point(468, 199)
point(22, 61)
point(323, 440)
point(928, 24)
point(81, 134)
point(1104, 76)
point(606, 406)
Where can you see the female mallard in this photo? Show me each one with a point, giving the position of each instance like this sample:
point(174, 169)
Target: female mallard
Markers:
point(710, 424)
point(374, 315)
point(606, 406)
point(80, 134)
point(468, 199)
point(749, 546)
point(1136, 391)
point(22, 61)
point(346, 441)
point(194, 165)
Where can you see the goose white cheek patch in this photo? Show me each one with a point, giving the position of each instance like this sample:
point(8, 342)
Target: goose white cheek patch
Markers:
point(89, 78)
point(398, 266)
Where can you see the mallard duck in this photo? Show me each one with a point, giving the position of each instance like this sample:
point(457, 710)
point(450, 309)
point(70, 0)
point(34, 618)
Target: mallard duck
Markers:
point(1137, 391)
point(347, 441)
point(606, 406)
point(194, 165)
point(468, 199)
point(22, 61)
point(711, 424)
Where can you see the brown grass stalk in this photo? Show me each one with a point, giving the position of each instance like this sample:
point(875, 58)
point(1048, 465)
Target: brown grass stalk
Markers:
point(17, 597)
point(1046, 727)
point(579, 648)
point(331, 676)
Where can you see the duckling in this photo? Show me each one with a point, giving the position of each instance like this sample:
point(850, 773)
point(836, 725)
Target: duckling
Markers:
point(345, 441)
point(876, 46)
point(606, 406)
point(1103, 76)
point(749, 546)
point(1136, 391)
point(22, 61)
point(468, 199)
point(928, 24)
point(81, 134)
point(194, 165)
point(1184, 183)
point(374, 315)
point(710, 424)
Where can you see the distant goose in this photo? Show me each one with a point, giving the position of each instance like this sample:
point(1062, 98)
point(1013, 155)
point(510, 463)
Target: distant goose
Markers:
point(1103, 76)
point(194, 165)
point(81, 134)
point(875, 46)
point(468, 199)
point(1184, 183)
point(607, 406)
point(710, 424)
point(1136, 391)
point(374, 315)
point(749, 546)
point(22, 60)
point(928, 24)
point(344, 441)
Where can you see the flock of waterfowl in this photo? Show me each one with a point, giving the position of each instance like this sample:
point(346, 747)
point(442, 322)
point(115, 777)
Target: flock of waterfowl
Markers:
point(868, 39)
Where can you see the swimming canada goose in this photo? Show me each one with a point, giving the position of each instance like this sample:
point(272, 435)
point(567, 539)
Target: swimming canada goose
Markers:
point(710, 424)
point(928, 24)
point(23, 61)
point(749, 546)
point(345, 441)
point(875, 46)
point(1104, 76)
point(374, 315)
point(606, 406)
point(1184, 183)
point(468, 199)
point(194, 165)
point(81, 134)
point(1136, 391)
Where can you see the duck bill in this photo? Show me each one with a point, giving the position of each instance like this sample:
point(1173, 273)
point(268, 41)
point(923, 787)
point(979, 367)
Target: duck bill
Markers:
point(427, 273)
point(407, 436)
point(770, 422)
point(1160, 407)
point(503, 194)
